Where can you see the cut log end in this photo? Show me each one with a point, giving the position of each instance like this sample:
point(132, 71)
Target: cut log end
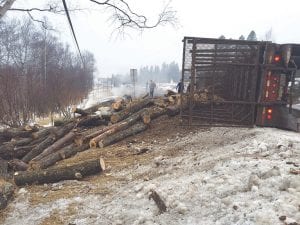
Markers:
point(33, 165)
point(146, 119)
point(78, 140)
point(93, 144)
point(114, 118)
point(102, 164)
point(100, 144)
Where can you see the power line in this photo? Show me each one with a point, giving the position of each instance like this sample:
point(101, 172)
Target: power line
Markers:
point(72, 29)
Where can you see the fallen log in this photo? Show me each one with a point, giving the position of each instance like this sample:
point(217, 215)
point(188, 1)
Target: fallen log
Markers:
point(53, 175)
point(56, 145)
point(64, 153)
point(42, 133)
point(130, 109)
point(158, 201)
point(152, 113)
point(118, 127)
point(3, 167)
point(6, 151)
point(38, 149)
point(117, 106)
point(135, 129)
point(21, 141)
point(94, 108)
point(6, 193)
point(104, 112)
point(170, 92)
point(92, 121)
point(173, 110)
point(17, 165)
point(82, 112)
point(15, 132)
point(20, 152)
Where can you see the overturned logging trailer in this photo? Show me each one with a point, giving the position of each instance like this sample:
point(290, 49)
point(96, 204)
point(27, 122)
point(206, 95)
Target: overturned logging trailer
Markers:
point(239, 83)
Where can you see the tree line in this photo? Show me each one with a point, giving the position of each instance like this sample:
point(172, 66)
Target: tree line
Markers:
point(39, 74)
point(251, 36)
point(164, 73)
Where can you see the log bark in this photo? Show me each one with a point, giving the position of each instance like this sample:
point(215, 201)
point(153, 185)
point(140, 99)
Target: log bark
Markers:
point(173, 110)
point(158, 201)
point(118, 127)
point(21, 141)
point(129, 110)
point(56, 145)
point(64, 153)
point(94, 108)
point(82, 112)
point(42, 133)
point(15, 132)
point(92, 121)
point(153, 113)
point(81, 139)
point(3, 167)
point(17, 165)
point(6, 193)
point(135, 129)
point(20, 152)
point(53, 175)
point(6, 151)
point(38, 149)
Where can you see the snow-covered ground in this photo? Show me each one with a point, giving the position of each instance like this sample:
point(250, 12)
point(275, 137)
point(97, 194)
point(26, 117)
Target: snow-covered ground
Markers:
point(217, 176)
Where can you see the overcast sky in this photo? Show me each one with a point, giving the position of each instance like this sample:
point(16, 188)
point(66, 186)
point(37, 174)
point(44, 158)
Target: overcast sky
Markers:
point(201, 18)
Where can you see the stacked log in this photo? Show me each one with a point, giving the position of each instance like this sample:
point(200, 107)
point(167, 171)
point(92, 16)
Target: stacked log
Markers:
point(132, 108)
point(33, 149)
point(53, 175)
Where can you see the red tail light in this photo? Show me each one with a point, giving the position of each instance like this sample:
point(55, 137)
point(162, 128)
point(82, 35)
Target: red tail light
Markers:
point(277, 58)
point(269, 113)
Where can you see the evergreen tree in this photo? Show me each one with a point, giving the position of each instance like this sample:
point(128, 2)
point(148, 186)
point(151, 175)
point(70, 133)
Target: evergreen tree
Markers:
point(252, 36)
point(242, 37)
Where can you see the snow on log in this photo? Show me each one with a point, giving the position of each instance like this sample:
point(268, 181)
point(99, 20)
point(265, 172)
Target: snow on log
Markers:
point(82, 112)
point(130, 109)
point(53, 175)
point(135, 129)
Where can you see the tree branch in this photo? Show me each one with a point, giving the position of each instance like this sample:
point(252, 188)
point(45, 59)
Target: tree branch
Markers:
point(128, 18)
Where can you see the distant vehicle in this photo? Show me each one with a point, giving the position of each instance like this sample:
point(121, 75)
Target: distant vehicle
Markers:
point(240, 83)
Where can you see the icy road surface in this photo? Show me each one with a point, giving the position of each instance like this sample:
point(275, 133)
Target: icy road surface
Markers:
point(218, 176)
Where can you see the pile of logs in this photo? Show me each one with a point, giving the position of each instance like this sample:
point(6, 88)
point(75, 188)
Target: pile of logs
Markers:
point(29, 151)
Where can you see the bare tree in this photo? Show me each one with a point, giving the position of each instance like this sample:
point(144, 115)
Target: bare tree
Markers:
point(25, 89)
point(122, 13)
